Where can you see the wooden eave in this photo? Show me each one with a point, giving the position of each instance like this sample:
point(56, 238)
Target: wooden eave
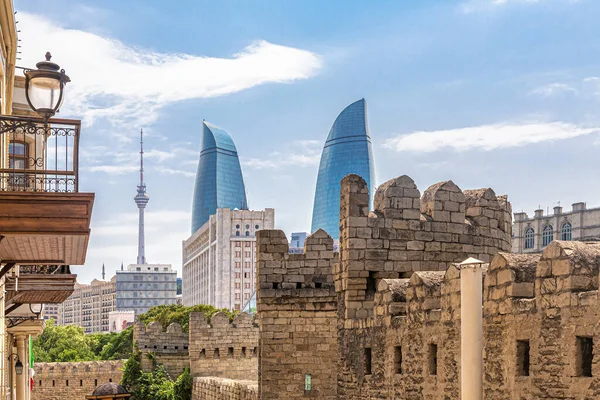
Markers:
point(39, 288)
point(38, 226)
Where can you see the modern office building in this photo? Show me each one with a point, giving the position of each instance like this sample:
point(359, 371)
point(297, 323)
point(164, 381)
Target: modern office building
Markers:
point(297, 242)
point(532, 235)
point(90, 305)
point(346, 151)
point(219, 180)
point(142, 286)
point(219, 258)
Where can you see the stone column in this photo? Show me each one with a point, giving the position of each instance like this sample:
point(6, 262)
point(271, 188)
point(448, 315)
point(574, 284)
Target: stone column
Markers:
point(471, 344)
point(21, 380)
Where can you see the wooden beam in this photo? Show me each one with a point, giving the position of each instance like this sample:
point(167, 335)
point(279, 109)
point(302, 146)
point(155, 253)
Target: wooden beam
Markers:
point(5, 268)
point(12, 308)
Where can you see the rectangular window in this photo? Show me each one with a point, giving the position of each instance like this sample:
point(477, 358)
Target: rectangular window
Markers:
point(237, 264)
point(238, 274)
point(238, 244)
point(307, 382)
point(246, 274)
point(433, 359)
point(371, 286)
point(367, 361)
point(584, 353)
point(247, 244)
point(243, 352)
point(398, 360)
point(238, 254)
point(247, 254)
point(522, 357)
point(230, 352)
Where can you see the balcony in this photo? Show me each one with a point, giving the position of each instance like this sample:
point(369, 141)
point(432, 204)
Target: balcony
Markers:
point(38, 284)
point(43, 217)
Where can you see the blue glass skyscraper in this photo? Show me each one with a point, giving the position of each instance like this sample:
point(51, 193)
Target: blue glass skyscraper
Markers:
point(346, 151)
point(219, 180)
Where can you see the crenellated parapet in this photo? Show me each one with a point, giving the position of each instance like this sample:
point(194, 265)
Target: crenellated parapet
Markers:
point(170, 346)
point(153, 338)
point(407, 232)
point(73, 380)
point(221, 348)
point(296, 307)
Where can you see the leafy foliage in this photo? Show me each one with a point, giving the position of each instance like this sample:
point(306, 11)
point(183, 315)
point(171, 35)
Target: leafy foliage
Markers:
point(70, 343)
point(183, 386)
point(167, 314)
point(63, 343)
point(154, 385)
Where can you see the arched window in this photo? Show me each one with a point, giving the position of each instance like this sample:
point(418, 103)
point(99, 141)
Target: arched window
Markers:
point(256, 227)
point(566, 231)
point(247, 226)
point(529, 239)
point(547, 235)
point(237, 233)
point(237, 226)
point(247, 233)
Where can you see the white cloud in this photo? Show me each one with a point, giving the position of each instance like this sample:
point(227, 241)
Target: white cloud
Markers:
point(114, 169)
point(471, 6)
point(553, 89)
point(301, 153)
point(129, 85)
point(486, 137)
point(172, 171)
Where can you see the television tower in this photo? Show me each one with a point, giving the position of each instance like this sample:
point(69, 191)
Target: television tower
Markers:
point(141, 199)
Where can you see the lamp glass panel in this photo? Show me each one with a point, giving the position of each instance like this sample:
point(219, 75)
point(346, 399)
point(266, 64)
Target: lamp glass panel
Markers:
point(44, 93)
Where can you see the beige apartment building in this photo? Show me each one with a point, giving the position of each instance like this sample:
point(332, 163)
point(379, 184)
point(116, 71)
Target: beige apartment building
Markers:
point(532, 235)
point(90, 306)
point(219, 258)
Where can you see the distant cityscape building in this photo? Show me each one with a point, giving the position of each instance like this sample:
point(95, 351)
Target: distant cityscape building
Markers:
point(297, 242)
point(219, 180)
point(142, 286)
point(120, 320)
point(219, 258)
point(179, 283)
point(346, 151)
point(89, 306)
point(52, 311)
point(532, 235)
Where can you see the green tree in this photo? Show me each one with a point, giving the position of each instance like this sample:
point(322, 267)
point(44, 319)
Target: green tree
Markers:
point(119, 346)
point(63, 343)
point(183, 386)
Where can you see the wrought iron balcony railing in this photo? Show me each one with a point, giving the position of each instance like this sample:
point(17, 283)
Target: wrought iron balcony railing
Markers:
point(39, 157)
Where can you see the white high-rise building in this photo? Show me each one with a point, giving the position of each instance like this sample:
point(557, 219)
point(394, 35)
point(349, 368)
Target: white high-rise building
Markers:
point(89, 306)
point(219, 258)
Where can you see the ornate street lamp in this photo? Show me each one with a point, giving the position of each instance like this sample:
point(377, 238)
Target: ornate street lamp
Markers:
point(18, 364)
point(44, 87)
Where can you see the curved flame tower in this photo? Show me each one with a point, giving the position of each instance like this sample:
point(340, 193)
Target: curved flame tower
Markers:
point(219, 180)
point(346, 151)
point(141, 199)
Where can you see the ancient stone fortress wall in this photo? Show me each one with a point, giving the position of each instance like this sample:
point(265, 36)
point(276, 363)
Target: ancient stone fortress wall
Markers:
point(542, 324)
point(410, 239)
point(73, 380)
point(170, 347)
point(296, 303)
point(223, 349)
point(211, 388)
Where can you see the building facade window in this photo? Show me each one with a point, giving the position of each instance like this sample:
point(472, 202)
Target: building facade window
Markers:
point(529, 238)
point(17, 159)
point(547, 235)
point(566, 231)
point(247, 233)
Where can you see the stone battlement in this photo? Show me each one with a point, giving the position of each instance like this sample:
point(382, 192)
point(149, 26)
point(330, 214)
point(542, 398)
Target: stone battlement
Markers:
point(223, 349)
point(170, 347)
point(73, 380)
point(407, 233)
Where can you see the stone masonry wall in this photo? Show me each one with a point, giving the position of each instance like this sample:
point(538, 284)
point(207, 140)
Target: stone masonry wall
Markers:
point(296, 306)
point(73, 381)
point(548, 304)
point(210, 388)
point(408, 237)
point(170, 348)
point(223, 349)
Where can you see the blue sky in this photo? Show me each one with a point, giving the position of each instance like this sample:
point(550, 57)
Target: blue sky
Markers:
point(488, 93)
